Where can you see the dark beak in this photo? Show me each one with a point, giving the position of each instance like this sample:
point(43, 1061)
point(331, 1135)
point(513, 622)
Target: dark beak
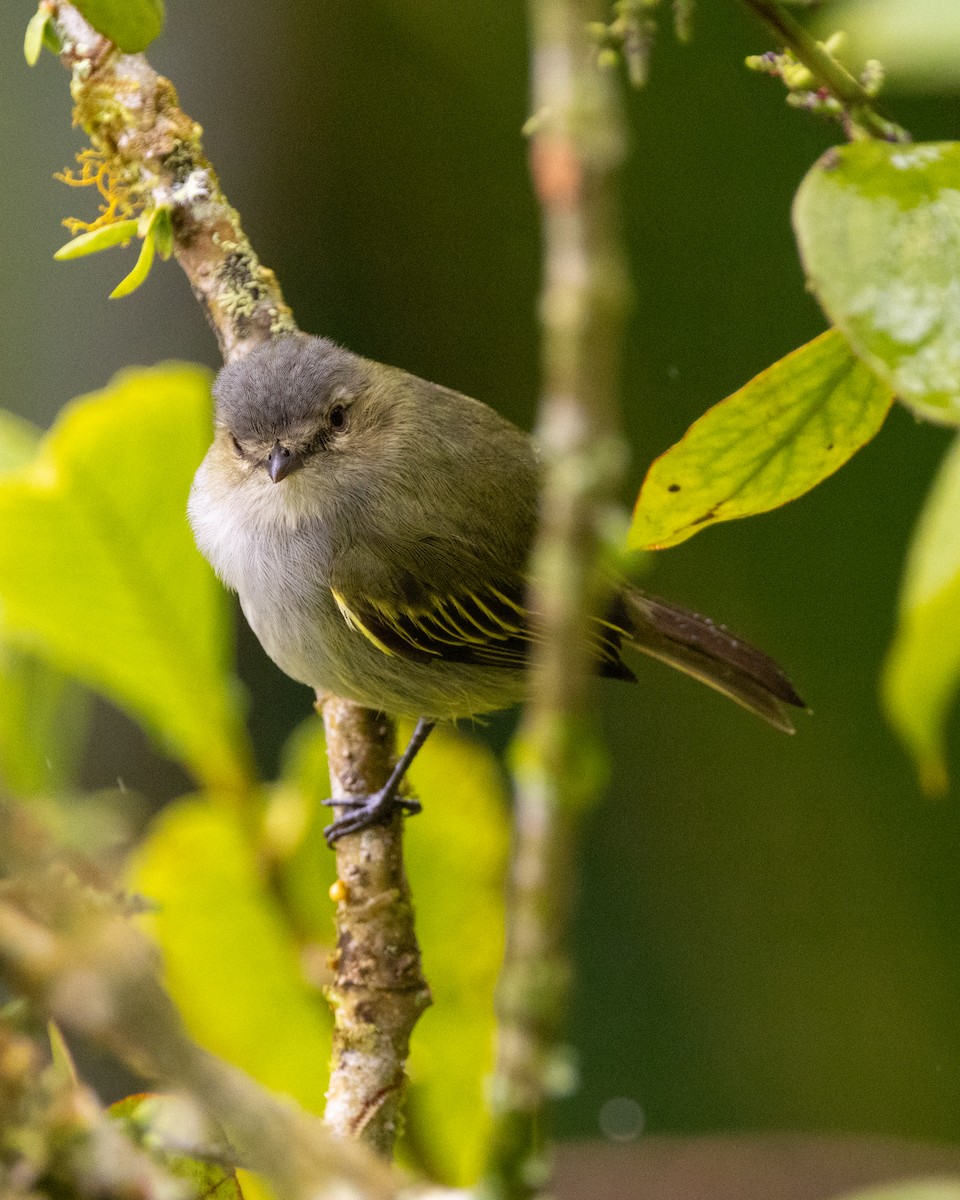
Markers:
point(282, 461)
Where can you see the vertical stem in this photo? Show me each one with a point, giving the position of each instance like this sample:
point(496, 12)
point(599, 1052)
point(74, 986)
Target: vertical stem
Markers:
point(576, 149)
point(379, 991)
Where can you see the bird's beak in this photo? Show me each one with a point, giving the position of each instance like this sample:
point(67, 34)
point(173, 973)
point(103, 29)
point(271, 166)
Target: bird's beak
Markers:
point(282, 461)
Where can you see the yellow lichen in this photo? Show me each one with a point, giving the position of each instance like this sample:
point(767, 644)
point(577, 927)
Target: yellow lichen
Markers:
point(119, 192)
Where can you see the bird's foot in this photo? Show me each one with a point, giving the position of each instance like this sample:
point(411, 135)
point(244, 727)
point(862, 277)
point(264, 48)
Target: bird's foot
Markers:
point(364, 811)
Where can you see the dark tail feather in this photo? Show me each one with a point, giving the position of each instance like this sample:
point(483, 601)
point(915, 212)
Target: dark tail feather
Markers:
point(710, 653)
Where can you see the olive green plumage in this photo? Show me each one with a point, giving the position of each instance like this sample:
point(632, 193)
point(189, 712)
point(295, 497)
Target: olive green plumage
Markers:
point(377, 528)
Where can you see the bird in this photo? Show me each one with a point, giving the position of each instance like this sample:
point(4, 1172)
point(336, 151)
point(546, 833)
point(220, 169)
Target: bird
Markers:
point(377, 529)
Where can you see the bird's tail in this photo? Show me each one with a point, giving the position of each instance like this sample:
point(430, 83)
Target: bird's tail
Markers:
point(710, 653)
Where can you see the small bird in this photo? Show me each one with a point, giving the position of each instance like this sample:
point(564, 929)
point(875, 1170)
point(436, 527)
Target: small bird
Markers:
point(377, 527)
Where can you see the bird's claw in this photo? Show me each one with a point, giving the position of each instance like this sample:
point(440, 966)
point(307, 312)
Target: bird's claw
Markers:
point(365, 811)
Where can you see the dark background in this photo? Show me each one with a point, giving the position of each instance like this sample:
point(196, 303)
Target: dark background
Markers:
point(767, 935)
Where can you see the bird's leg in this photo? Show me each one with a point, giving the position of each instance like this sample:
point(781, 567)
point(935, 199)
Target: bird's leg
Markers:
point(380, 806)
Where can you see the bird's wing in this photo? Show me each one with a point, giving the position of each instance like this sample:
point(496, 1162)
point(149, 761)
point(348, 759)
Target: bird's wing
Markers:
point(408, 612)
point(486, 624)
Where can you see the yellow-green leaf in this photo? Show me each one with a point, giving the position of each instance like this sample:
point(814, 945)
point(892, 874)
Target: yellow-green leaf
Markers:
point(95, 240)
point(131, 24)
point(18, 441)
point(922, 672)
point(165, 1127)
point(33, 39)
point(783, 433)
point(141, 268)
point(293, 838)
point(456, 860)
point(254, 1187)
point(878, 226)
point(918, 44)
point(63, 1065)
point(42, 723)
point(161, 225)
point(42, 714)
point(229, 959)
point(916, 1189)
point(99, 575)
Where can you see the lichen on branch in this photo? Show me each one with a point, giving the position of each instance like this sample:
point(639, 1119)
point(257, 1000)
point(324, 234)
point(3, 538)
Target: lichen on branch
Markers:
point(143, 142)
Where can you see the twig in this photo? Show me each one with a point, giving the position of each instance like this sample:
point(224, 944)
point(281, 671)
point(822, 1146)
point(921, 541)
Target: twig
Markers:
point(578, 143)
point(64, 945)
point(55, 1128)
point(132, 116)
point(379, 991)
point(858, 104)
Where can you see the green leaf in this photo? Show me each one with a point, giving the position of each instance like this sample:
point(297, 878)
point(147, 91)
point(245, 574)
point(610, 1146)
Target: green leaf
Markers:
point(162, 1126)
point(161, 225)
point(63, 1065)
point(878, 226)
point(42, 725)
point(231, 964)
point(99, 575)
point(130, 24)
point(18, 441)
point(51, 39)
point(33, 39)
point(922, 672)
point(42, 714)
point(918, 44)
point(141, 268)
point(96, 240)
point(254, 1187)
point(293, 824)
point(922, 1189)
point(783, 433)
point(456, 861)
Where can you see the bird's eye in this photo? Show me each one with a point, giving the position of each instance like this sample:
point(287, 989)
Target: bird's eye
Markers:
point(337, 418)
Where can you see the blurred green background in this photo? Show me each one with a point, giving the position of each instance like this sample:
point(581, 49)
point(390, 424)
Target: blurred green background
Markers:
point(767, 932)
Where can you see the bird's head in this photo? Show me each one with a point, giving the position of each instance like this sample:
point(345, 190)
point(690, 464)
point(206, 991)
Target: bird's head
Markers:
point(293, 405)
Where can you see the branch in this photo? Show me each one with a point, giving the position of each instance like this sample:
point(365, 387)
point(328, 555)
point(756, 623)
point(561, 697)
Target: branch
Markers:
point(56, 1129)
point(131, 114)
point(379, 991)
point(859, 106)
point(133, 119)
point(65, 945)
point(577, 146)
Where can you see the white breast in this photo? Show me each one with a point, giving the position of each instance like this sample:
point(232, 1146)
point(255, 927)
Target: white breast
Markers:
point(255, 536)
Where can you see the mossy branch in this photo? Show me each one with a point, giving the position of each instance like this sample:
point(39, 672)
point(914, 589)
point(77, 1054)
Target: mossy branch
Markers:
point(137, 129)
point(134, 122)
